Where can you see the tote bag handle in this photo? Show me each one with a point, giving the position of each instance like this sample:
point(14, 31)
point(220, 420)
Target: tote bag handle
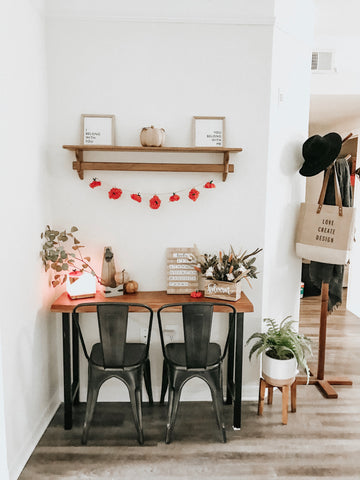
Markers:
point(337, 190)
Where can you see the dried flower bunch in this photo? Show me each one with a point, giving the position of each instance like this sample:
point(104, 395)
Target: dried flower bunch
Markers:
point(229, 267)
point(55, 256)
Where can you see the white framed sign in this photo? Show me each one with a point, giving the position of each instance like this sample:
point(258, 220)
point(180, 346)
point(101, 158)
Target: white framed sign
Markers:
point(97, 129)
point(209, 131)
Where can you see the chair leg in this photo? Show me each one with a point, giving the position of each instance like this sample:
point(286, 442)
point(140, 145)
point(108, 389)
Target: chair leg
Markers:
point(136, 400)
point(164, 383)
point(174, 398)
point(92, 394)
point(217, 397)
point(147, 378)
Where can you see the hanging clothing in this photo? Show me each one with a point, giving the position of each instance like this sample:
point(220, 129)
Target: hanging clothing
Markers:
point(324, 272)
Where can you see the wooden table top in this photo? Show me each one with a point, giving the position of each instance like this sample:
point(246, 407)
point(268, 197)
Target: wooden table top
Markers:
point(154, 300)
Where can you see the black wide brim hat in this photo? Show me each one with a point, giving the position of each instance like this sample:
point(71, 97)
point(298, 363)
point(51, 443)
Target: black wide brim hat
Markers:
point(319, 153)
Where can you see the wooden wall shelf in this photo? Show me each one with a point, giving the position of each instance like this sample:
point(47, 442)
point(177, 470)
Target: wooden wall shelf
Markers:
point(79, 165)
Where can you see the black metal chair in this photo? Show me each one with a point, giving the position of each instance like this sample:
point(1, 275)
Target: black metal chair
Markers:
point(113, 356)
point(197, 356)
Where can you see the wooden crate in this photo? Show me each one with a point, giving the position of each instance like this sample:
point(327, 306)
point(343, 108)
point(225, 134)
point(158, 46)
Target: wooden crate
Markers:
point(222, 290)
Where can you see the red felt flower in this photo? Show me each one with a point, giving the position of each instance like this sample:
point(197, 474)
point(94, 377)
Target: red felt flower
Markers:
point(115, 193)
point(136, 197)
point(95, 183)
point(196, 294)
point(194, 194)
point(209, 184)
point(155, 202)
point(174, 197)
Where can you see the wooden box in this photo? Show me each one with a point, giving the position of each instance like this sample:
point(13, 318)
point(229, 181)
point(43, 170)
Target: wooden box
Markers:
point(222, 290)
point(113, 291)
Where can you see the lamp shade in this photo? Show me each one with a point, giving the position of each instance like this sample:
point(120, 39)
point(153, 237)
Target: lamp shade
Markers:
point(80, 285)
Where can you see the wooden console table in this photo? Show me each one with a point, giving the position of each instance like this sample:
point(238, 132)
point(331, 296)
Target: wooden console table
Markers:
point(155, 300)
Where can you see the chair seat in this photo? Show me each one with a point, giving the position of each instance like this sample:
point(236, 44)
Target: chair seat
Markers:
point(134, 354)
point(176, 354)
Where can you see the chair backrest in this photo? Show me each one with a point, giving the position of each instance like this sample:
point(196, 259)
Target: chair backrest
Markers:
point(113, 325)
point(197, 325)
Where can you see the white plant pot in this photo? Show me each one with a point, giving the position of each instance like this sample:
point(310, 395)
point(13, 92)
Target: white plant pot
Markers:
point(278, 372)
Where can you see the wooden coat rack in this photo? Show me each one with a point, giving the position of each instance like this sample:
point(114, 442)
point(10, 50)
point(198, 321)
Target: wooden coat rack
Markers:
point(324, 384)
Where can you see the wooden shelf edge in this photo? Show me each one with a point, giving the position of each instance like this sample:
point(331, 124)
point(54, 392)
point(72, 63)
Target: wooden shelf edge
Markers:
point(118, 148)
point(152, 167)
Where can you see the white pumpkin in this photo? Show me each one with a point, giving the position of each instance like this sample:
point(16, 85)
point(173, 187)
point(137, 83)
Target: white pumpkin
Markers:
point(152, 137)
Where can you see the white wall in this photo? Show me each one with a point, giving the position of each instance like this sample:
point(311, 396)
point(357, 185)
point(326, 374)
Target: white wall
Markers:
point(162, 73)
point(27, 331)
point(288, 123)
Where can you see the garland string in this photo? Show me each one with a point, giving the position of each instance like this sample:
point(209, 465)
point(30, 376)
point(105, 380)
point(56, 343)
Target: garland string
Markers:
point(155, 201)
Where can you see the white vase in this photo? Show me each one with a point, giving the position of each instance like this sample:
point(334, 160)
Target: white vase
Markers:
point(278, 372)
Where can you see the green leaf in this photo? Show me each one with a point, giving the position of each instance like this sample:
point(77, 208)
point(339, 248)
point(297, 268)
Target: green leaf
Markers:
point(65, 266)
point(74, 229)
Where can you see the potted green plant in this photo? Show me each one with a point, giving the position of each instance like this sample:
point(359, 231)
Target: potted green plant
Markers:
point(283, 350)
point(223, 272)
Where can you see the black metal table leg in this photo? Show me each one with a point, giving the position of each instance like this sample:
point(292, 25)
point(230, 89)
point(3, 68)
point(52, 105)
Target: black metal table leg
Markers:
point(67, 371)
point(230, 366)
point(238, 368)
point(75, 366)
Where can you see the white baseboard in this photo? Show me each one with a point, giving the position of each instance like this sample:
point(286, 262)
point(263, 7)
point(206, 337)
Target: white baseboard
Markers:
point(33, 438)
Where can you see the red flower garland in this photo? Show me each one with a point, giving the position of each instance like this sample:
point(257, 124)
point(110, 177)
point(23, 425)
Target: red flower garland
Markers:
point(194, 194)
point(115, 193)
point(155, 202)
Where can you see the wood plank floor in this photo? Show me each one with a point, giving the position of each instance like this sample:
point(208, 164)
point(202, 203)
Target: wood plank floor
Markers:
point(321, 440)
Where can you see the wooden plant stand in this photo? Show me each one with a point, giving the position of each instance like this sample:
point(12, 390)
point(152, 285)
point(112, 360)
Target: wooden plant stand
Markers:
point(285, 390)
point(324, 384)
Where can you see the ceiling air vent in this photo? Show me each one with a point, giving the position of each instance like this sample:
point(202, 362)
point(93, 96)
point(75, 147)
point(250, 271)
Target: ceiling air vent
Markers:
point(322, 62)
